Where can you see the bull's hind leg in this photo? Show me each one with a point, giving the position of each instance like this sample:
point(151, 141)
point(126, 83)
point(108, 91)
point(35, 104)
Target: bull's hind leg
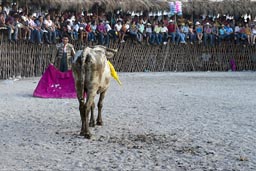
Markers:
point(92, 120)
point(82, 115)
point(100, 105)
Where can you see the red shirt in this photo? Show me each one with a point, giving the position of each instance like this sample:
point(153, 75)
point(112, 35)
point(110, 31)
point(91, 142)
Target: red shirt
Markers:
point(171, 28)
point(88, 28)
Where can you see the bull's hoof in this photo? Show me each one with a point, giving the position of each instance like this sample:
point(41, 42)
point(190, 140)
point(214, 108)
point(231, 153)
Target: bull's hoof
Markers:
point(100, 123)
point(92, 124)
point(82, 133)
point(88, 135)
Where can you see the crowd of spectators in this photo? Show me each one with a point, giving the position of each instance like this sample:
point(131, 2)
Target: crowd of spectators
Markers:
point(48, 28)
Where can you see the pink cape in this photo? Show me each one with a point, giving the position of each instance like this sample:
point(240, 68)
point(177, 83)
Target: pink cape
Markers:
point(56, 84)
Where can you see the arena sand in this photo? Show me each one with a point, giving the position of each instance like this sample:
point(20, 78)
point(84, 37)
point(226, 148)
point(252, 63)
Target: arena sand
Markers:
point(155, 121)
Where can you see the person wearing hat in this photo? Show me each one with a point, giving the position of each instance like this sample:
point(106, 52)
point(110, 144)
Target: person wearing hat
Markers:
point(172, 30)
point(222, 33)
point(208, 34)
point(35, 33)
point(149, 32)
point(199, 32)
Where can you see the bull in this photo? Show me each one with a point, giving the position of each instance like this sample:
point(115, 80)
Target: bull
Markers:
point(92, 75)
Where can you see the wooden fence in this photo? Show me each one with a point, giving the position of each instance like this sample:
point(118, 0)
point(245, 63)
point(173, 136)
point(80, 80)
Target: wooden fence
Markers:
point(28, 60)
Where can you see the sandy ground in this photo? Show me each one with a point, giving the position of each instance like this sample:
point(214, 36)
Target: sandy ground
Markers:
point(155, 121)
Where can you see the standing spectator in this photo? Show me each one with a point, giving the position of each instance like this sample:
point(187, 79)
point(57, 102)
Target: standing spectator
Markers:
point(65, 53)
point(253, 34)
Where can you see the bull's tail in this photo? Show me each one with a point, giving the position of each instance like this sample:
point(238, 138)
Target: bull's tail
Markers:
point(114, 73)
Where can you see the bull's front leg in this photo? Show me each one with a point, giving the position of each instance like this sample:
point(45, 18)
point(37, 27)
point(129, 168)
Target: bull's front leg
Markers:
point(100, 105)
point(88, 105)
point(92, 120)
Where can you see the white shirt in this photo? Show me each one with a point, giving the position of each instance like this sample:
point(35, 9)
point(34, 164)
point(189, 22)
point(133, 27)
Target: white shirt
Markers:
point(48, 23)
point(118, 27)
point(108, 27)
point(164, 29)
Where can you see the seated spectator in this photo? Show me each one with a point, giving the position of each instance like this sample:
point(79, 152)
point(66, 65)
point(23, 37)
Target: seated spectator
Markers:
point(35, 34)
point(149, 32)
point(248, 33)
point(199, 32)
point(102, 33)
point(82, 31)
point(141, 30)
point(237, 33)
point(124, 30)
point(110, 33)
point(229, 32)
point(57, 27)
point(25, 31)
point(180, 36)
point(12, 28)
point(50, 27)
point(157, 34)
point(164, 33)
point(172, 30)
point(243, 35)
point(222, 33)
point(215, 32)
point(192, 34)
point(208, 34)
point(88, 29)
point(133, 31)
point(253, 34)
point(71, 31)
point(117, 28)
point(2, 20)
point(185, 29)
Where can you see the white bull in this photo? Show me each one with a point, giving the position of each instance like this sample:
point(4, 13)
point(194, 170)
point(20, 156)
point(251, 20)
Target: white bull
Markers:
point(92, 76)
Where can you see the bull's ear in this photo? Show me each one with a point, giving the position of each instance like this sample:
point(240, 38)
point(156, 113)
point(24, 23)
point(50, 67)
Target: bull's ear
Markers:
point(110, 53)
